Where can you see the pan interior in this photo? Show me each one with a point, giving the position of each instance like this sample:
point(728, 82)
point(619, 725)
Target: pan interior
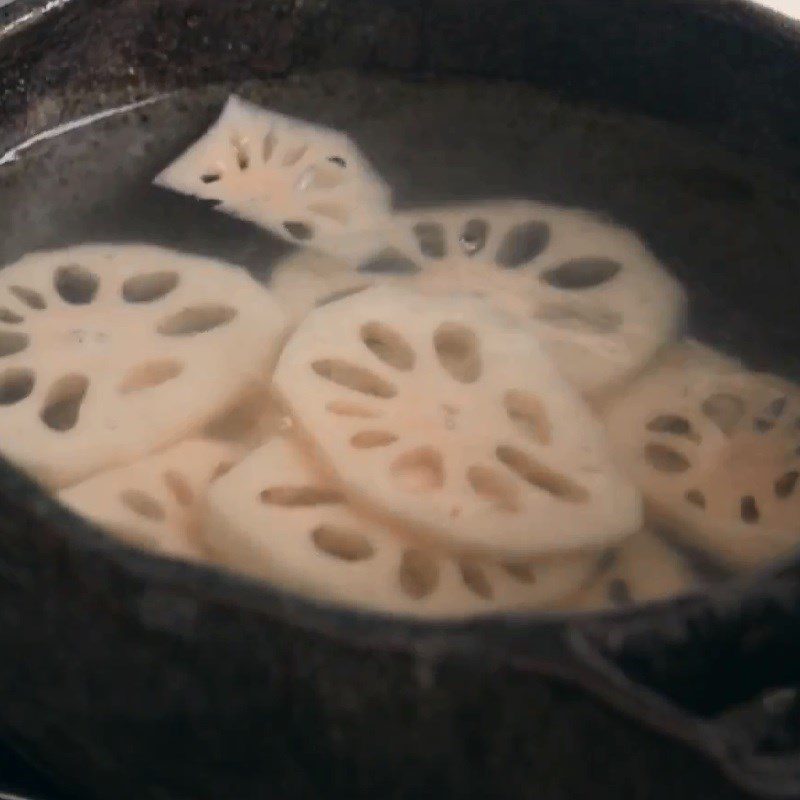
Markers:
point(724, 224)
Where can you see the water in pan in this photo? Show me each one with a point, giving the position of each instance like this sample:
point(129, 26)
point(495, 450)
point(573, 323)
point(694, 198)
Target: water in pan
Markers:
point(724, 227)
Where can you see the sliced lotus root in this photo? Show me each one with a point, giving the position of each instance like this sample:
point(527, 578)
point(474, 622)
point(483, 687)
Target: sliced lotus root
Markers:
point(688, 354)
point(155, 503)
point(692, 356)
point(109, 352)
point(306, 280)
point(603, 304)
point(305, 183)
point(275, 517)
point(716, 451)
point(253, 420)
point(449, 416)
point(309, 279)
point(641, 570)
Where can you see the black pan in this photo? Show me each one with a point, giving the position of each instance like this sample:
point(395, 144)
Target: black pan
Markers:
point(125, 676)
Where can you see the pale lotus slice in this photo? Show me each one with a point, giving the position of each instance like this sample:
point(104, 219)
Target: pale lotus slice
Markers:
point(693, 356)
point(602, 302)
point(303, 182)
point(307, 279)
point(251, 422)
point(274, 517)
point(641, 570)
point(688, 354)
point(155, 503)
point(109, 352)
point(716, 451)
point(449, 416)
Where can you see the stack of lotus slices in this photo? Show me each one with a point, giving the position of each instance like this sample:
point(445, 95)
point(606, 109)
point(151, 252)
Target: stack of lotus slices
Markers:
point(439, 413)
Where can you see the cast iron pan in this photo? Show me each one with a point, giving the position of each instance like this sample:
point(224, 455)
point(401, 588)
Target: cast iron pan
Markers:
point(125, 676)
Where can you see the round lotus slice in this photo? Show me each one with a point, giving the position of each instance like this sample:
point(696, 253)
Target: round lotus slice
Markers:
point(254, 419)
point(602, 302)
point(641, 570)
point(274, 517)
point(155, 503)
point(450, 417)
point(716, 451)
point(687, 354)
point(306, 280)
point(303, 182)
point(109, 352)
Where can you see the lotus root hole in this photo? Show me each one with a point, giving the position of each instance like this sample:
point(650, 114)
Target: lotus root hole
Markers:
point(76, 284)
point(603, 321)
point(665, 459)
point(540, 476)
point(495, 487)
point(29, 297)
point(197, 319)
point(150, 375)
point(724, 410)
point(418, 574)
point(607, 560)
point(293, 155)
point(221, 470)
point(305, 180)
point(529, 415)
point(333, 211)
point(7, 315)
point(420, 470)
point(240, 150)
point(619, 592)
point(431, 239)
point(388, 345)
point(749, 510)
point(149, 287)
point(342, 543)
point(777, 407)
point(350, 376)
point(761, 425)
point(12, 343)
point(16, 385)
point(458, 351)
point(268, 146)
point(475, 580)
point(143, 505)
point(366, 440)
point(179, 487)
point(786, 484)
point(582, 273)
point(522, 244)
point(300, 496)
point(344, 408)
point(696, 498)
point(63, 402)
point(674, 425)
point(473, 236)
point(324, 178)
point(389, 261)
point(523, 573)
point(301, 231)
